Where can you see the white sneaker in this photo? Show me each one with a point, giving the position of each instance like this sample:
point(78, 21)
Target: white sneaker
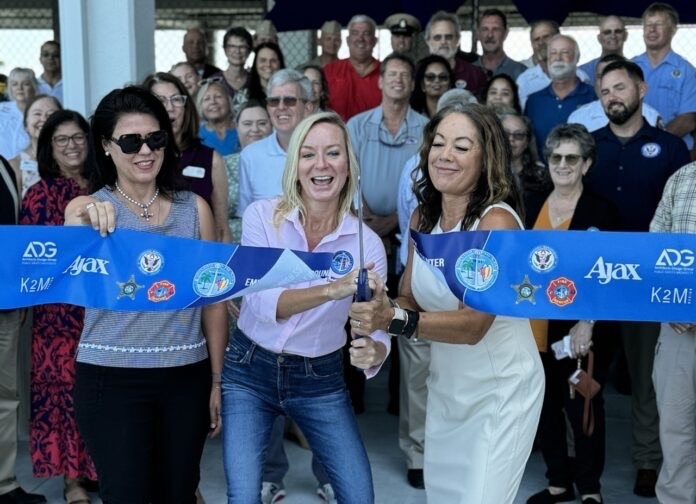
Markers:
point(270, 493)
point(326, 494)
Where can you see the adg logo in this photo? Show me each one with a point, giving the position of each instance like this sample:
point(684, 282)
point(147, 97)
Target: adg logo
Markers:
point(38, 252)
point(678, 262)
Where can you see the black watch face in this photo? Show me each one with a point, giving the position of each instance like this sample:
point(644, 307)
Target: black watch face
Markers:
point(396, 326)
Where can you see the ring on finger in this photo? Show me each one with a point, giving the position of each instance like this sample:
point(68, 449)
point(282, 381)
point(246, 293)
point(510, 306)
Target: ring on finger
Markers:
point(90, 205)
point(358, 323)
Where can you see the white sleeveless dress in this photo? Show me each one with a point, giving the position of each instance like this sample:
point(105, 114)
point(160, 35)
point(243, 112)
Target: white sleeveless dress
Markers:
point(484, 403)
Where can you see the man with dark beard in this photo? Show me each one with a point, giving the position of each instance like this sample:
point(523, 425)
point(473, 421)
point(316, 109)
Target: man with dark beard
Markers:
point(552, 105)
point(634, 161)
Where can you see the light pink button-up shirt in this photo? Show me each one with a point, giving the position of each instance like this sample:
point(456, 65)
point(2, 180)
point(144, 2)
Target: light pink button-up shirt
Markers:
point(318, 331)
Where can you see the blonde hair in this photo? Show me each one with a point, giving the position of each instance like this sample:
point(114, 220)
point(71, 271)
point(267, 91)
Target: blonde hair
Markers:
point(292, 191)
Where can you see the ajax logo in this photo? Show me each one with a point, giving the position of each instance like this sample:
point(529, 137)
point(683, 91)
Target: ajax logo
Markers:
point(606, 271)
point(87, 265)
point(476, 269)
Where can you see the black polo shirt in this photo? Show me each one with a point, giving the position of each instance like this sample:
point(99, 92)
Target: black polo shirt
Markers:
point(633, 174)
point(7, 210)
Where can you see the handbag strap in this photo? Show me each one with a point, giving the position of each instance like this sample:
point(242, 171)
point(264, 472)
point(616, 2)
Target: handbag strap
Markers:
point(587, 412)
point(11, 186)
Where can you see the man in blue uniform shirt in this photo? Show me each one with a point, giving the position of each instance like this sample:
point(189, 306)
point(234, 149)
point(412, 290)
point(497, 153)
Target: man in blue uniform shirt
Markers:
point(671, 79)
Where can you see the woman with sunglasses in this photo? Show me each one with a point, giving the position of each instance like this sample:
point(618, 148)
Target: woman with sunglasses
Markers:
point(433, 77)
point(201, 167)
point(55, 444)
point(145, 414)
point(570, 152)
point(217, 129)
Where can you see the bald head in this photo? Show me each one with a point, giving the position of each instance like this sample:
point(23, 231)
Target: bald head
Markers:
point(195, 47)
point(612, 35)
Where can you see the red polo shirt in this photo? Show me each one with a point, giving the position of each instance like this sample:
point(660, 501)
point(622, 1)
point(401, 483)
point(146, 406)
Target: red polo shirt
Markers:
point(349, 93)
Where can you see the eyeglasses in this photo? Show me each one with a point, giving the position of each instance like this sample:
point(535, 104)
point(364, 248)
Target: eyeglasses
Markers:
point(210, 80)
point(176, 100)
point(64, 140)
point(439, 37)
point(517, 135)
point(431, 77)
point(617, 31)
point(238, 48)
point(288, 101)
point(133, 142)
point(571, 159)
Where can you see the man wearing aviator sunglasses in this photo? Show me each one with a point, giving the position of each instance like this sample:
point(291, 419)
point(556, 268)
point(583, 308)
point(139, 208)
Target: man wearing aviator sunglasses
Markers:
point(612, 37)
point(262, 163)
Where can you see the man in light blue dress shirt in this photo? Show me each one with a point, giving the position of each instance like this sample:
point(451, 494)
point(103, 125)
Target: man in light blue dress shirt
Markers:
point(671, 79)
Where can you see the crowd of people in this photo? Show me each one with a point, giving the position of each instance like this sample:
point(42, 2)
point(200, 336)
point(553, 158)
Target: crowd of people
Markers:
point(431, 139)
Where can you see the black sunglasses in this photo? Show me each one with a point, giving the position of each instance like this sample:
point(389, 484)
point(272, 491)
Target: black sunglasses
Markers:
point(133, 142)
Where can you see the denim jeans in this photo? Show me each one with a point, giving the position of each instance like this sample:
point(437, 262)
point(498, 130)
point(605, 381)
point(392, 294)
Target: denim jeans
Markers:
point(258, 385)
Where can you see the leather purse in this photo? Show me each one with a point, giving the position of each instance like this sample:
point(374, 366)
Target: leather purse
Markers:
point(583, 383)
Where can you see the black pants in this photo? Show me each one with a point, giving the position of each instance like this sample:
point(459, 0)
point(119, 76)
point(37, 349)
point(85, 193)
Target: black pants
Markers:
point(145, 430)
point(589, 450)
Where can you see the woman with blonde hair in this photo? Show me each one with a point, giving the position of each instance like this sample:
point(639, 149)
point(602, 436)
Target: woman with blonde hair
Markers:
point(285, 357)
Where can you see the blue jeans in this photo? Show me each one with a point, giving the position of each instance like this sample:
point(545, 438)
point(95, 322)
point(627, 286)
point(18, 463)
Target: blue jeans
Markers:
point(257, 386)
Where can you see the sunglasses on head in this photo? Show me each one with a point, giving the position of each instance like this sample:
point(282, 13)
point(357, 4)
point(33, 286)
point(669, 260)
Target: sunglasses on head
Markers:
point(131, 143)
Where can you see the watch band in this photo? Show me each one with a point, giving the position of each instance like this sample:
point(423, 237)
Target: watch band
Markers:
point(411, 324)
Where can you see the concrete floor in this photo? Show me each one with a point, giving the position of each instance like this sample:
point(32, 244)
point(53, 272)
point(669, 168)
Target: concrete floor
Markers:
point(380, 433)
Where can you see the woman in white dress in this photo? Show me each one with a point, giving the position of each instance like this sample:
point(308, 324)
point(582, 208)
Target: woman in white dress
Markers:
point(486, 380)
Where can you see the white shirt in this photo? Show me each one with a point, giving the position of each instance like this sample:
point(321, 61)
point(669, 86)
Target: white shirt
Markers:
point(55, 91)
point(592, 116)
point(13, 138)
point(535, 79)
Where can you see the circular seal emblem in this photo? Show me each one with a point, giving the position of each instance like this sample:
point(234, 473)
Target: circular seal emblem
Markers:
point(150, 262)
point(342, 262)
point(476, 269)
point(543, 259)
point(213, 279)
point(676, 73)
point(460, 84)
point(650, 150)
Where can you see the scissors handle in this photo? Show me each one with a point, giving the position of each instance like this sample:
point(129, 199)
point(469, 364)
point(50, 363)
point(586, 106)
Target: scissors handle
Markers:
point(363, 293)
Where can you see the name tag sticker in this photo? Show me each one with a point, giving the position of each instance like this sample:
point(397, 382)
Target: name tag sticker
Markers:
point(28, 165)
point(194, 171)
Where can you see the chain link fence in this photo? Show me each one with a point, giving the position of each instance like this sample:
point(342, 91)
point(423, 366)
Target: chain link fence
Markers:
point(26, 24)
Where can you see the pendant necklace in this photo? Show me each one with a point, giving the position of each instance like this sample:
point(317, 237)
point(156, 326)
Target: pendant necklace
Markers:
point(144, 206)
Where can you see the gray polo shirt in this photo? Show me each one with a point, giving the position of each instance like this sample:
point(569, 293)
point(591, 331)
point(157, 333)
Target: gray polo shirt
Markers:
point(381, 155)
point(507, 66)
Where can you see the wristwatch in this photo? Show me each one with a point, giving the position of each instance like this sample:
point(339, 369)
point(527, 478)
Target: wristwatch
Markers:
point(403, 323)
point(398, 322)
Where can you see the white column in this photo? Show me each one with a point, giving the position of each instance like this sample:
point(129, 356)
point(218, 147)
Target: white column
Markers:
point(105, 44)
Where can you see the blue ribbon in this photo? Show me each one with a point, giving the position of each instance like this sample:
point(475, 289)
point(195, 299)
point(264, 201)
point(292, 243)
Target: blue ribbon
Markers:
point(135, 270)
point(572, 275)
